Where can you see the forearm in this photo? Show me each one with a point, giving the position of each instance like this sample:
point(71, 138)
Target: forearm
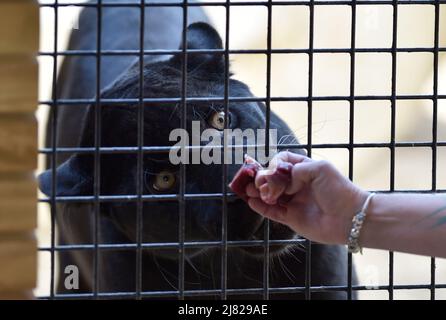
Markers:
point(407, 223)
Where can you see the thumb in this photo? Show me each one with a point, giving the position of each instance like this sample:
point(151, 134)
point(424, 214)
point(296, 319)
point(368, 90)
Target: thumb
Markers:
point(302, 174)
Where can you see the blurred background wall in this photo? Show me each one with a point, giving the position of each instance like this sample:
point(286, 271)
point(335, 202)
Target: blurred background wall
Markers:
point(19, 25)
point(330, 124)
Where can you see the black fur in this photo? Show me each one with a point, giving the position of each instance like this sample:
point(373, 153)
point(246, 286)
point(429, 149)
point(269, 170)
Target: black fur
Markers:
point(162, 79)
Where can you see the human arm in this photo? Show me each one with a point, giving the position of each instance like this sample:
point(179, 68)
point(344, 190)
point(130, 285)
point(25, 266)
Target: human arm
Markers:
point(323, 203)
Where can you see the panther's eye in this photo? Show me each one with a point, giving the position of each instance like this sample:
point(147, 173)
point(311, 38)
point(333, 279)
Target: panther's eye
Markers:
point(217, 120)
point(164, 181)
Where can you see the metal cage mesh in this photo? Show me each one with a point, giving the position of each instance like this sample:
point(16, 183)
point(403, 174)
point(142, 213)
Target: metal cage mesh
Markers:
point(139, 198)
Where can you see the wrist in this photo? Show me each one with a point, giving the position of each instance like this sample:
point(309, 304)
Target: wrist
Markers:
point(357, 223)
point(358, 198)
point(359, 201)
point(381, 223)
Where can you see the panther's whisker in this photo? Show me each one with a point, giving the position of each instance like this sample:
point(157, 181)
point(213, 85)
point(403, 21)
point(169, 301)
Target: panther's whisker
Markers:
point(285, 269)
point(162, 270)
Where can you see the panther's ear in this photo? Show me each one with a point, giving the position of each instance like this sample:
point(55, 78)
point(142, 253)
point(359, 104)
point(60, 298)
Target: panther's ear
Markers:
point(72, 179)
point(201, 35)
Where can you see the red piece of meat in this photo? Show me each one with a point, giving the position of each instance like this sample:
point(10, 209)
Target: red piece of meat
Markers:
point(245, 175)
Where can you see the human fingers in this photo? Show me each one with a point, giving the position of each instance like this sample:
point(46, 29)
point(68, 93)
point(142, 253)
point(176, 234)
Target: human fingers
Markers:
point(252, 191)
point(273, 212)
point(287, 156)
point(301, 174)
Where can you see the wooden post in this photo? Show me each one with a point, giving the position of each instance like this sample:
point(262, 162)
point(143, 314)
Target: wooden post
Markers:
point(19, 31)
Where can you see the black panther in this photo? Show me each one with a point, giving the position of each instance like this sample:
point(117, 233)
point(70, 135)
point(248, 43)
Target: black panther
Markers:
point(76, 127)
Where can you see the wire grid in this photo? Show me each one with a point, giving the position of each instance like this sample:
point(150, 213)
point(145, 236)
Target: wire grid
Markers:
point(182, 196)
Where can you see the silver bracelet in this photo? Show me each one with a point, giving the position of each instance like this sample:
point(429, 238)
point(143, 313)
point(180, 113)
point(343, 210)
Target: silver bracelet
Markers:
point(357, 221)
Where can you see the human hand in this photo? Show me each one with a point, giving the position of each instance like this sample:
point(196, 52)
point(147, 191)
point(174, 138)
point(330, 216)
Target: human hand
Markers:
point(320, 201)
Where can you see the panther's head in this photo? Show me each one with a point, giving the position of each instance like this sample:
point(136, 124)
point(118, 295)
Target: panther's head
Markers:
point(118, 171)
